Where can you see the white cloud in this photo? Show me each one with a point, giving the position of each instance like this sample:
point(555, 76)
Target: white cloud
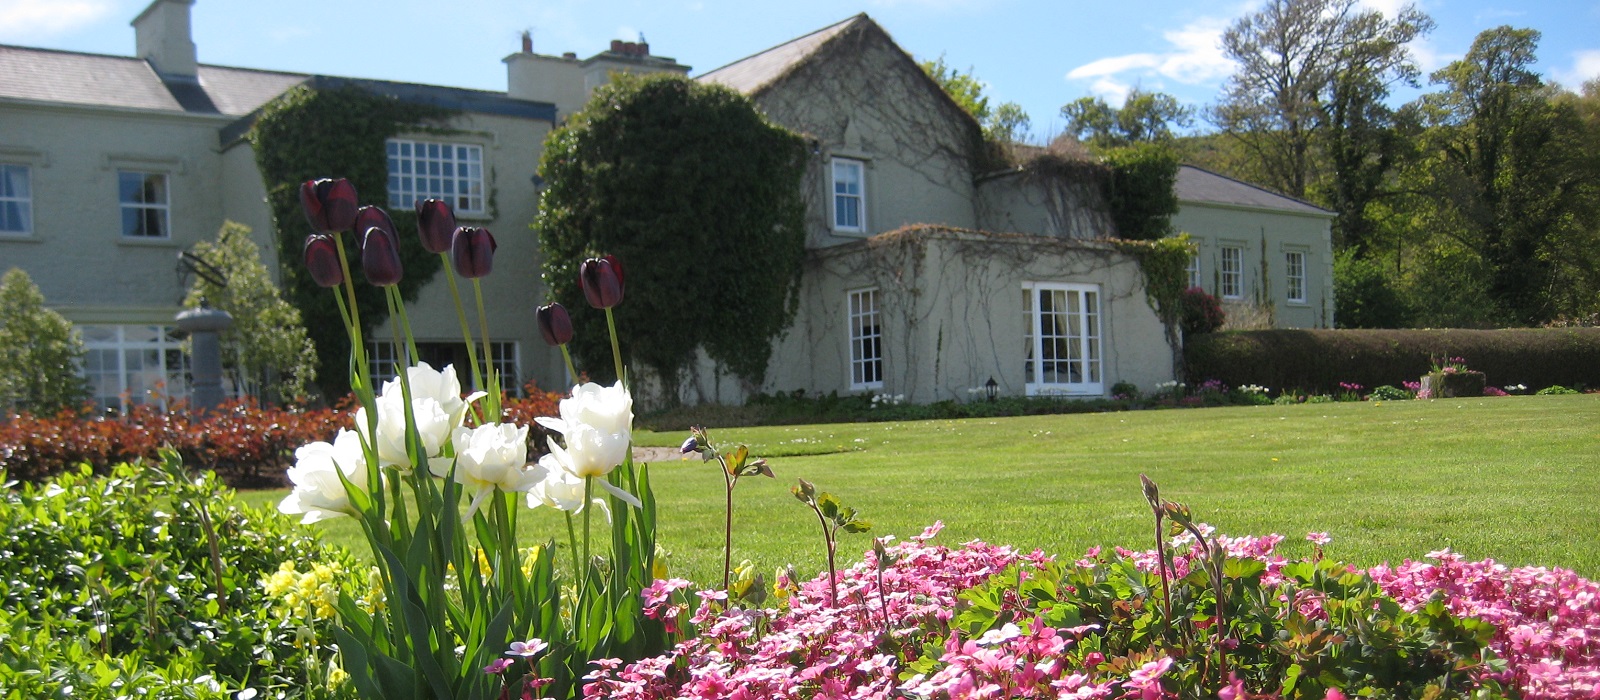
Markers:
point(1585, 67)
point(30, 19)
point(940, 5)
point(1389, 8)
point(1195, 58)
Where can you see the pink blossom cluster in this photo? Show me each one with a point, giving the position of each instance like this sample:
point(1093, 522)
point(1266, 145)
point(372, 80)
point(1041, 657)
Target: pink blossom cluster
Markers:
point(1548, 630)
point(1547, 621)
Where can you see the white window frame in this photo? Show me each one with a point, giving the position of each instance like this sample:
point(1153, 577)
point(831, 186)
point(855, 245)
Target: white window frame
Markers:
point(384, 360)
point(859, 196)
point(1230, 273)
point(1294, 276)
point(23, 200)
point(141, 208)
point(864, 324)
point(418, 170)
point(506, 360)
point(111, 346)
point(1194, 270)
point(1081, 372)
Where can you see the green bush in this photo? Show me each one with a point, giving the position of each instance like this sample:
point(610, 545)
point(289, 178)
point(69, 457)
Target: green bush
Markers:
point(1316, 361)
point(1364, 297)
point(1389, 393)
point(147, 581)
point(1555, 390)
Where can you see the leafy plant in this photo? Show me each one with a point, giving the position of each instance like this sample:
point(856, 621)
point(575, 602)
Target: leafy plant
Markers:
point(39, 352)
point(832, 516)
point(735, 463)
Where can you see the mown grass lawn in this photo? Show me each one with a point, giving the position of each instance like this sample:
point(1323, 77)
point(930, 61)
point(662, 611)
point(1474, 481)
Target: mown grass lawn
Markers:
point(1515, 478)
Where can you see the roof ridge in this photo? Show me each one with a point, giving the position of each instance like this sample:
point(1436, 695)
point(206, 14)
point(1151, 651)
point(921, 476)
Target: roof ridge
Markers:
point(775, 47)
point(136, 59)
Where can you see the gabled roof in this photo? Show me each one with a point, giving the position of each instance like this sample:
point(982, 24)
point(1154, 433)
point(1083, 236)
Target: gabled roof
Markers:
point(47, 75)
point(1201, 186)
point(753, 74)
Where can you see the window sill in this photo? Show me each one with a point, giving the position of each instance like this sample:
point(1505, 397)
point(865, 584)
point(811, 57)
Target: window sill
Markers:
point(1297, 304)
point(20, 238)
point(1063, 390)
point(147, 242)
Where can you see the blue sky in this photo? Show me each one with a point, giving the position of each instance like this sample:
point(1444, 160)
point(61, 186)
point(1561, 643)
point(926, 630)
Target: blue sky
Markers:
point(1039, 53)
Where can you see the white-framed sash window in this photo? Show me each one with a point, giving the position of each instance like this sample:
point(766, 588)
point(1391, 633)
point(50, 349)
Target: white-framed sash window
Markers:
point(849, 195)
point(452, 172)
point(1062, 339)
point(866, 340)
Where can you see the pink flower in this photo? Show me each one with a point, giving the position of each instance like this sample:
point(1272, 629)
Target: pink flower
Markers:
point(1333, 694)
point(528, 648)
point(1319, 538)
point(497, 666)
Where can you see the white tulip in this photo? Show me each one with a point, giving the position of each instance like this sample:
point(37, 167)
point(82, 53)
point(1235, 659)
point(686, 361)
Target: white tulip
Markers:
point(493, 456)
point(562, 488)
point(597, 423)
point(318, 493)
point(436, 406)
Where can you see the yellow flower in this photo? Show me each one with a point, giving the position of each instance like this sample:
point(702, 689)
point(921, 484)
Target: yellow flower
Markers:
point(337, 677)
point(530, 558)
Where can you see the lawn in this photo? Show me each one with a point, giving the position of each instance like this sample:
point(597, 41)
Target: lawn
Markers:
point(1514, 478)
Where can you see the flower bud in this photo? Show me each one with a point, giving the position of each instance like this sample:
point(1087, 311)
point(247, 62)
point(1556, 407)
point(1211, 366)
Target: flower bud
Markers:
point(472, 252)
point(330, 205)
point(436, 224)
point(380, 256)
point(690, 445)
point(601, 279)
point(322, 260)
point(373, 217)
point(554, 324)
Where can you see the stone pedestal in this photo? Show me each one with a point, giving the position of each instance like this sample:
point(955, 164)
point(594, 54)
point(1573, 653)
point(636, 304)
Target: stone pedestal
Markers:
point(205, 362)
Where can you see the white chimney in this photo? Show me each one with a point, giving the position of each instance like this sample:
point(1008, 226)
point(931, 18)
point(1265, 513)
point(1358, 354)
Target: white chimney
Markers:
point(162, 37)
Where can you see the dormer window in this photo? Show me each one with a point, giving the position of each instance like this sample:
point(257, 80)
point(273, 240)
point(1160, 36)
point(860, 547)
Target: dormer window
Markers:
point(849, 195)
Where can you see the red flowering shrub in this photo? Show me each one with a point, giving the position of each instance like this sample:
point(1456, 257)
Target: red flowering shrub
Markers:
point(1201, 312)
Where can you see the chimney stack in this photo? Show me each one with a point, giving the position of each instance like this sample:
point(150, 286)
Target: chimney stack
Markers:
point(162, 37)
point(527, 41)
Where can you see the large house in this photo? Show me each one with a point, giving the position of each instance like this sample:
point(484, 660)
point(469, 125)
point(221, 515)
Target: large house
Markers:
point(927, 274)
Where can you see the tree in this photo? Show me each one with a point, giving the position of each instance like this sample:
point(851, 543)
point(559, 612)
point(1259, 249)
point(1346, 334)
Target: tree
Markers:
point(699, 196)
point(1144, 117)
point(1304, 66)
point(267, 348)
point(39, 352)
point(1001, 125)
point(1509, 171)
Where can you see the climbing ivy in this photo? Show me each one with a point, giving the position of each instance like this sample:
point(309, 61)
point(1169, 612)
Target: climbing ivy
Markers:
point(310, 133)
point(1165, 263)
point(1140, 190)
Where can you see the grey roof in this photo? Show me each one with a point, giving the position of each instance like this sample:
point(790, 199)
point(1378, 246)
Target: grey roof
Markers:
point(752, 74)
point(47, 75)
point(1201, 186)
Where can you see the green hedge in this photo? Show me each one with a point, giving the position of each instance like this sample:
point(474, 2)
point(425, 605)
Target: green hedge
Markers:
point(1317, 361)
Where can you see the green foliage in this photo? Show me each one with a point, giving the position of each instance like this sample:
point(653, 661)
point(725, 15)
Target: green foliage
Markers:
point(1004, 124)
point(1202, 313)
point(148, 578)
point(311, 133)
point(1165, 262)
point(699, 197)
point(1555, 390)
point(1140, 191)
point(1318, 360)
point(1363, 295)
point(267, 348)
point(1144, 117)
point(39, 352)
point(1389, 393)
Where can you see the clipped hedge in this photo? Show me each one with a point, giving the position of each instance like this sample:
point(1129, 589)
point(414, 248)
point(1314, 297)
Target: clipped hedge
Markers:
point(1316, 361)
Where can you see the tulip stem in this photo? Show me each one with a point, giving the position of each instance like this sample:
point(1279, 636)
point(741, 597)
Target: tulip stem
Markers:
point(588, 506)
point(353, 316)
point(461, 315)
point(398, 306)
point(572, 374)
point(616, 352)
point(572, 541)
point(488, 358)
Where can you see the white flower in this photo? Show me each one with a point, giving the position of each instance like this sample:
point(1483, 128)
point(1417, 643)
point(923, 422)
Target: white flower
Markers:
point(562, 488)
point(436, 406)
point(318, 493)
point(597, 423)
point(493, 456)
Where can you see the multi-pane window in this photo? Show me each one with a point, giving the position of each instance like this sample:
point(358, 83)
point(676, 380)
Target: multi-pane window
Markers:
point(866, 340)
point(452, 172)
point(1232, 272)
point(1194, 270)
point(145, 205)
point(129, 365)
point(849, 195)
point(504, 360)
point(383, 360)
point(1295, 276)
point(16, 200)
point(1062, 339)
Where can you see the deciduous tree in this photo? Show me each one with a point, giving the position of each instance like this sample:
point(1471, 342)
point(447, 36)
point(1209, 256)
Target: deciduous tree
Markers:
point(39, 351)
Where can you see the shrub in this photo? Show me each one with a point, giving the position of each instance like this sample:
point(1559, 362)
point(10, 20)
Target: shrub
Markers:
point(1389, 393)
point(1317, 360)
point(147, 580)
point(1555, 390)
point(1363, 295)
point(39, 353)
point(1202, 313)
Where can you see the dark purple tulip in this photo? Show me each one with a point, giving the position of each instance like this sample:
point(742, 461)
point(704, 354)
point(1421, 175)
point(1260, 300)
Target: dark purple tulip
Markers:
point(373, 217)
point(554, 324)
point(601, 279)
point(330, 205)
point(472, 251)
point(436, 224)
point(380, 256)
point(322, 259)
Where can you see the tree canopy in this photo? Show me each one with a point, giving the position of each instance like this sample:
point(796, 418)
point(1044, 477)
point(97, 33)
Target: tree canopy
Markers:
point(39, 351)
point(1144, 117)
point(699, 196)
point(1006, 123)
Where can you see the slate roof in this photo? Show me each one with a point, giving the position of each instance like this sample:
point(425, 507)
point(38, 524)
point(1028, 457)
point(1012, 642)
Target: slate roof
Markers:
point(48, 75)
point(753, 74)
point(1201, 186)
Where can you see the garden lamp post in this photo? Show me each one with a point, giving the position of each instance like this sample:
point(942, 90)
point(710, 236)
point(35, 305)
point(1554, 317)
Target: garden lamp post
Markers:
point(991, 389)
